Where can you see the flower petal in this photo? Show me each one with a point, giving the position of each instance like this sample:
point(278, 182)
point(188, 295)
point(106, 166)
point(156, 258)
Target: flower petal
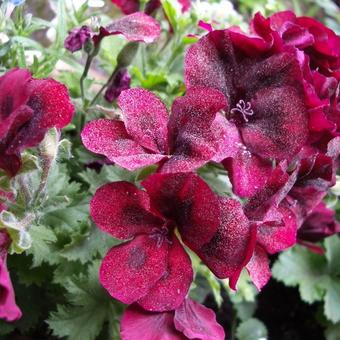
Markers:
point(110, 138)
point(192, 141)
point(8, 308)
point(186, 199)
point(134, 27)
point(122, 210)
point(145, 118)
point(232, 246)
point(131, 269)
point(127, 6)
point(137, 324)
point(196, 321)
point(279, 113)
point(169, 292)
point(258, 268)
point(51, 107)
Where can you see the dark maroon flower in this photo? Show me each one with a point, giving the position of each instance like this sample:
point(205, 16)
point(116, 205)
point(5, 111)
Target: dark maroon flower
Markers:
point(263, 85)
point(9, 311)
point(77, 38)
point(153, 269)
point(131, 6)
point(190, 320)
point(320, 43)
point(184, 141)
point(120, 82)
point(28, 108)
point(320, 223)
point(134, 27)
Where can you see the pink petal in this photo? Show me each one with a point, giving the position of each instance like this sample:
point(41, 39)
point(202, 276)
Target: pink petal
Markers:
point(191, 138)
point(131, 269)
point(8, 308)
point(137, 324)
point(134, 27)
point(188, 201)
point(258, 268)
point(122, 210)
point(145, 118)
point(110, 138)
point(248, 173)
point(197, 322)
point(274, 238)
point(169, 292)
point(232, 246)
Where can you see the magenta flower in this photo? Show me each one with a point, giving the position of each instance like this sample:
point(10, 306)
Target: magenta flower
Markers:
point(190, 320)
point(266, 105)
point(77, 38)
point(9, 311)
point(320, 43)
point(28, 108)
point(120, 82)
point(320, 223)
point(131, 6)
point(152, 268)
point(182, 142)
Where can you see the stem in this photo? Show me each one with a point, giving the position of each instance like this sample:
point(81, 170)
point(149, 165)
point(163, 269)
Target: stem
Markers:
point(84, 75)
point(93, 101)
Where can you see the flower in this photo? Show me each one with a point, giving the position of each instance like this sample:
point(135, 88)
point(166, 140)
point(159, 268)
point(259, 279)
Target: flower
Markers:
point(320, 223)
point(152, 268)
point(9, 311)
point(190, 320)
point(120, 82)
point(182, 142)
point(28, 108)
point(319, 42)
point(263, 84)
point(131, 6)
point(77, 38)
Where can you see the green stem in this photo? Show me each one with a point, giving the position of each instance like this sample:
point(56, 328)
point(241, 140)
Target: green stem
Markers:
point(84, 75)
point(94, 100)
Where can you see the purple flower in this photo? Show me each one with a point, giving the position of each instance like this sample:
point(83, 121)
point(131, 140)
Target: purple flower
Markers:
point(120, 82)
point(77, 38)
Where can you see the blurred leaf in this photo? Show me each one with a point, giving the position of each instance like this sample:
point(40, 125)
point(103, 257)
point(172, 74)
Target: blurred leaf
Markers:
point(332, 301)
point(332, 245)
point(333, 332)
point(252, 329)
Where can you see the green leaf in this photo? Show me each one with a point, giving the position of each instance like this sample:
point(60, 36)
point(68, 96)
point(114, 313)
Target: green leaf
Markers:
point(332, 245)
point(42, 237)
point(332, 332)
point(85, 246)
point(300, 267)
point(332, 300)
point(252, 329)
point(90, 307)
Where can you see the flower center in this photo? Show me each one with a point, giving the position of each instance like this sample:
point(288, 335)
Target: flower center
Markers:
point(244, 108)
point(160, 235)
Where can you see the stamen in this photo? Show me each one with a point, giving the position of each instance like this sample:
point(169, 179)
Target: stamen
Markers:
point(244, 108)
point(160, 235)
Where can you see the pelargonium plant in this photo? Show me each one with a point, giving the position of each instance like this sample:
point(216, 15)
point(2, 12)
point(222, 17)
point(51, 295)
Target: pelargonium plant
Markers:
point(122, 187)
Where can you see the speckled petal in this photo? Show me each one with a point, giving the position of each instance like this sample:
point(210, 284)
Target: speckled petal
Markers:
point(122, 210)
point(186, 199)
point(127, 6)
point(137, 324)
point(170, 291)
point(131, 269)
point(145, 118)
point(192, 141)
point(258, 268)
point(134, 27)
point(198, 322)
point(110, 138)
point(232, 246)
